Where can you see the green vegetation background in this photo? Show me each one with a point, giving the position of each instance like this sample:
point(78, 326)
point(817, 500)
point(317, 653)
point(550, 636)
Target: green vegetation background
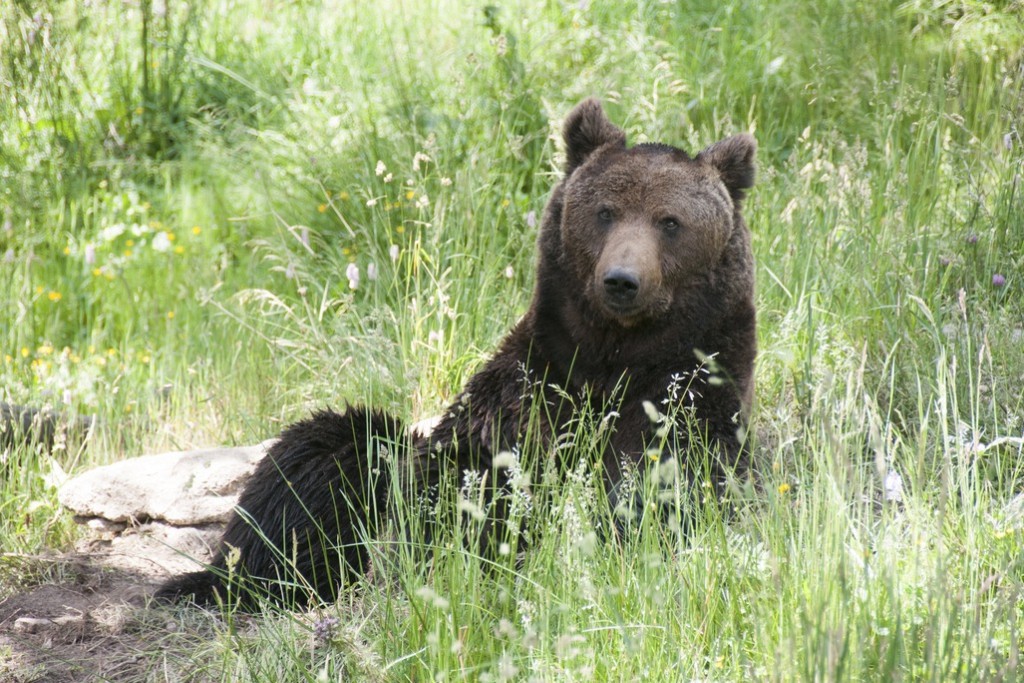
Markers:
point(219, 215)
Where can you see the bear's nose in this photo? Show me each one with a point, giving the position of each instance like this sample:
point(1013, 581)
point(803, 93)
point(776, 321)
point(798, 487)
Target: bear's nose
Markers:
point(621, 285)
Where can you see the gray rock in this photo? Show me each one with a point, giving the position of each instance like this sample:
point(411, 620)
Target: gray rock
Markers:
point(153, 549)
point(186, 488)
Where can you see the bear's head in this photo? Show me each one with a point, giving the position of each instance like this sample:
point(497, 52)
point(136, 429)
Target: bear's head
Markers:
point(640, 226)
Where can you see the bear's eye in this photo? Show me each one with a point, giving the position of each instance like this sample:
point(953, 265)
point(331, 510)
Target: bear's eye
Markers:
point(605, 215)
point(670, 225)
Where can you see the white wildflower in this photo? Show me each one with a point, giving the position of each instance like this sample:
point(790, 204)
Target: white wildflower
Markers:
point(893, 486)
point(774, 66)
point(352, 273)
point(428, 594)
point(505, 459)
point(652, 412)
point(470, 508)
point(507, 670)
point(419, 157)
point(112, 232)
point(161, 242)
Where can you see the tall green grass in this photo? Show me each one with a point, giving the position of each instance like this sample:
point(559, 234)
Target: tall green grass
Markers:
point(186, 201)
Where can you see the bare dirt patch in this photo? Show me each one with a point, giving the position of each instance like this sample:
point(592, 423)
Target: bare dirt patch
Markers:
point(90, 617)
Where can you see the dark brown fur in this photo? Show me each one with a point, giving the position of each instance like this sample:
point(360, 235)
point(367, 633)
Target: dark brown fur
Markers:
point(644, 268)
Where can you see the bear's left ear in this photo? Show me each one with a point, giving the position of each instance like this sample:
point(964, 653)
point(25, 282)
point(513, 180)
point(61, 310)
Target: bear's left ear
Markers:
point(586, 129)
point(734, 160)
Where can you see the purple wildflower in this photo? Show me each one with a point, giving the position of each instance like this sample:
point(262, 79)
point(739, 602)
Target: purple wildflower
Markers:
point(325, 629)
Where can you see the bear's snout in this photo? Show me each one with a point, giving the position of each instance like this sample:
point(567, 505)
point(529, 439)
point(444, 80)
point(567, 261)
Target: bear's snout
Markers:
point(627, 280)
point(621, 285)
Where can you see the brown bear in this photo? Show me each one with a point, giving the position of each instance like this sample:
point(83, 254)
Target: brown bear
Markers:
point(642, 313)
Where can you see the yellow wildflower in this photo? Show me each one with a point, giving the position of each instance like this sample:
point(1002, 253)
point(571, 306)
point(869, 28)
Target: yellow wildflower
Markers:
point(54, 296)
point(783, 488)
point(196, 230)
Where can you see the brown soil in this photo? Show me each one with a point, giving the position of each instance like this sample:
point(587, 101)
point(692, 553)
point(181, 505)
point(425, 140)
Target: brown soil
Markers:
point(89, 617)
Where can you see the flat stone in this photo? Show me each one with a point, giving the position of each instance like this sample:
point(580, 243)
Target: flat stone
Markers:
point(154, 549)
point(32, 625)
point(183, 488)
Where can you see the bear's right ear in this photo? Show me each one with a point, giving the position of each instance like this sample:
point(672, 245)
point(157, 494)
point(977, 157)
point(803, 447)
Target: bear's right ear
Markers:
point(587, 129)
